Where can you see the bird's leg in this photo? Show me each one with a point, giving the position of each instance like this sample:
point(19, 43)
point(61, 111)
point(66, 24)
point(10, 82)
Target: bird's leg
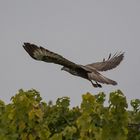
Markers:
point(98, 85)
point(94, 85)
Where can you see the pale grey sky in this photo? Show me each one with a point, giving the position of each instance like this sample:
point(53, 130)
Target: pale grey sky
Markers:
point(83, 31)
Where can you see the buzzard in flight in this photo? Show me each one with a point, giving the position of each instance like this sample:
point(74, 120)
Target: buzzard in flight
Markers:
point(89, 71)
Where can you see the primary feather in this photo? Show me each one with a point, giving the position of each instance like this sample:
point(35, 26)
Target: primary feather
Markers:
point(108, 64)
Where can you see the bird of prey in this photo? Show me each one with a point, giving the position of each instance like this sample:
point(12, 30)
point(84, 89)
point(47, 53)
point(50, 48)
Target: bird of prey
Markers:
point(89, 71)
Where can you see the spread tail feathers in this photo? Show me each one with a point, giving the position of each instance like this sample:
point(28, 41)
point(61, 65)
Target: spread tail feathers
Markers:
point(100, 78)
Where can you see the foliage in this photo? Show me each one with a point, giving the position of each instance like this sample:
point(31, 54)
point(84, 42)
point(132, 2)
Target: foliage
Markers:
point(27, 117)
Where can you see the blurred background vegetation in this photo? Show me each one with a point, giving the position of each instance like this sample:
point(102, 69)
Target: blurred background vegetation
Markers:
point(27, 117)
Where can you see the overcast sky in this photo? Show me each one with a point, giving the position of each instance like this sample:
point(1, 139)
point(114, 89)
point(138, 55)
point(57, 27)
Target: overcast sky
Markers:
point(83, 31)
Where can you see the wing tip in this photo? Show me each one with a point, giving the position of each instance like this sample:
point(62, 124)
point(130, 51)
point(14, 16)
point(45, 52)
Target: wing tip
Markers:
point(120, 54)
point(30, 48)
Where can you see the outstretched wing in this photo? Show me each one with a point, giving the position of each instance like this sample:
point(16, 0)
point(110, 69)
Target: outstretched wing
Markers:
point(42, 54)
point(108, 64)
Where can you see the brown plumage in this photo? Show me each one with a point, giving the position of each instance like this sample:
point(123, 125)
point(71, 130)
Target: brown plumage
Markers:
point(89, 71)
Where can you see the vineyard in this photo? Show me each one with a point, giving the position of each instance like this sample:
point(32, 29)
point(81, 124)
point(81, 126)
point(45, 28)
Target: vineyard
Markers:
point(27, 117)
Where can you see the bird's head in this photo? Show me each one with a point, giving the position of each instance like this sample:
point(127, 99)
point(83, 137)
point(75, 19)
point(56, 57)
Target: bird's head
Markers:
point(73, 72)
point(65, 69)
